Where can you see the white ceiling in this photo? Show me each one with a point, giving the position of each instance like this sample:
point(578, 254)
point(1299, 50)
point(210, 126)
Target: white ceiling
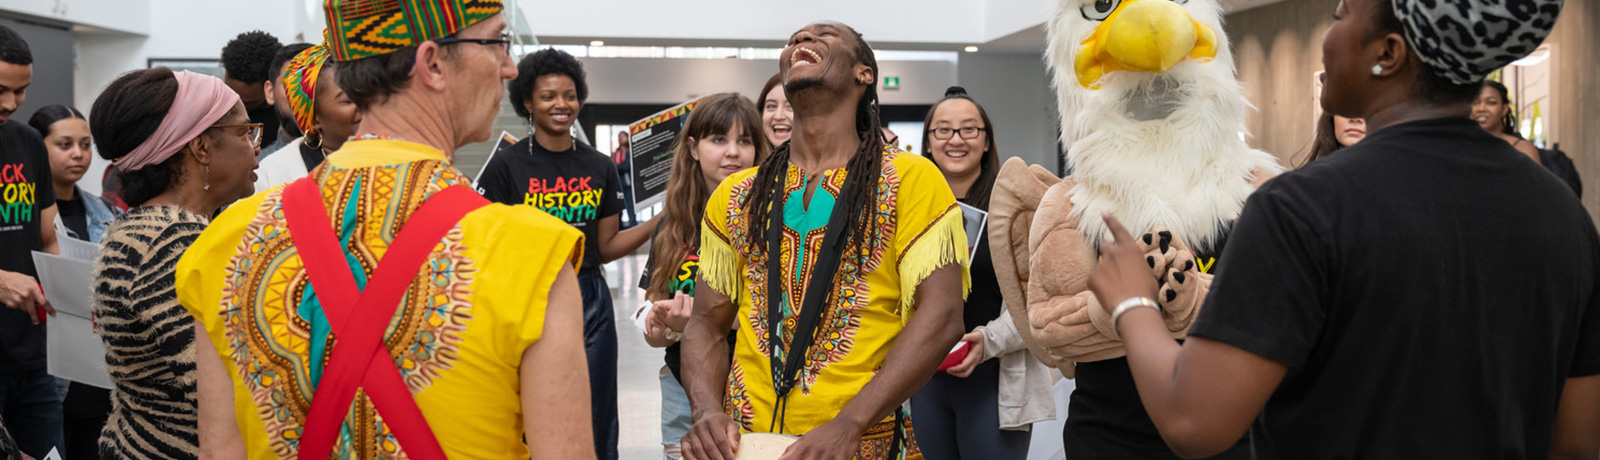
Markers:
point(1027, 39)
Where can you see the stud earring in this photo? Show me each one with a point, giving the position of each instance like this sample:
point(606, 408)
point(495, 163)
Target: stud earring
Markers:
point(1377, 69)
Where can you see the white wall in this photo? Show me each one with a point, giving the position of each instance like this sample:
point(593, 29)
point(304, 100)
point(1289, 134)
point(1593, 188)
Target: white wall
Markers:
point(1015, 90)
point(127, 16)
point(178, 29)
point(671, 81)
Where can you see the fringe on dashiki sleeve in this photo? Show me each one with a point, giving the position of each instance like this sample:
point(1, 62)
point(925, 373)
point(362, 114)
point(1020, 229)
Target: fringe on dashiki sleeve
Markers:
point(943, 243)
point(719, 264)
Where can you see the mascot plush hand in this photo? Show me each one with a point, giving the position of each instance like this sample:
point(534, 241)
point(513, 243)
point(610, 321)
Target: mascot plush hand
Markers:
point(1154, 120)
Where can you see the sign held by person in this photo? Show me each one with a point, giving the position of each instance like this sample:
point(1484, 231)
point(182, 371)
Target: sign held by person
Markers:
point(653, 141)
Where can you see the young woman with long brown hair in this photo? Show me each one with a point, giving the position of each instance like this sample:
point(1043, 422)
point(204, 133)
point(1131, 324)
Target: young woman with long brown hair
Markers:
point(723, 136)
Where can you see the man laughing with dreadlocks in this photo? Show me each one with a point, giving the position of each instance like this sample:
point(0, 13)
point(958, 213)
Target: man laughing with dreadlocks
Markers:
point(844, 263)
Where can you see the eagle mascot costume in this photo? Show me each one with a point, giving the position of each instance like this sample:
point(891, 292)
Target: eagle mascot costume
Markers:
point(1153, 118)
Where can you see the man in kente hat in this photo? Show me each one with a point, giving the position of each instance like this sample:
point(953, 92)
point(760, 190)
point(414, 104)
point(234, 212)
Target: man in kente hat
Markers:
point(356, 313)
point(1390, 301)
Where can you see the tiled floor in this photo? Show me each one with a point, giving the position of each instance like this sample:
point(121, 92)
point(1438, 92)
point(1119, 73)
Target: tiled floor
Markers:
point(638, 367)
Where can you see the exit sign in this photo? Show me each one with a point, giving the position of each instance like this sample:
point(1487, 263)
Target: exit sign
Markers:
point(891, 82)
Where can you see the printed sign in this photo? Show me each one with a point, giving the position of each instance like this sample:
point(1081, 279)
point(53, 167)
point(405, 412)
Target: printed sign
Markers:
point(652, 142)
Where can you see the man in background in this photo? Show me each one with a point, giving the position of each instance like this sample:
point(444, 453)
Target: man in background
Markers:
point(30, 399)
point(247, 59)
point(278, 98)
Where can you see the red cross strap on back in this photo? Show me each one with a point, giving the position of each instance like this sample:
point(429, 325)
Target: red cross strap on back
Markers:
point(359, 317)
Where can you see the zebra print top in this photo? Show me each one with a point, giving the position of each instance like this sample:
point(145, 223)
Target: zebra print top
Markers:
point(149, 337)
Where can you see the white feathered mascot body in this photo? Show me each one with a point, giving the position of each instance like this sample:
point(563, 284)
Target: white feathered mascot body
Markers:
point(1154, 120)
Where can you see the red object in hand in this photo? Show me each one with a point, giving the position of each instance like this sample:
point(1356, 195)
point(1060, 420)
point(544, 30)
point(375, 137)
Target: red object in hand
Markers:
point(38, 310)
point(957, 354)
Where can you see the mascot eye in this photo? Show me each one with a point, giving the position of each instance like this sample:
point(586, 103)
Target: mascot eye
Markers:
point(1100, 10)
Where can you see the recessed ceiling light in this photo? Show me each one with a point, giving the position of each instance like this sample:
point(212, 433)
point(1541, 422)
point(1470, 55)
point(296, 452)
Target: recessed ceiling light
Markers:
point(597, 43)
point(972, 49)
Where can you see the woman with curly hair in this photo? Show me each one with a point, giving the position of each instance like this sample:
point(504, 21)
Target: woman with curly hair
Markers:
point(572, 181)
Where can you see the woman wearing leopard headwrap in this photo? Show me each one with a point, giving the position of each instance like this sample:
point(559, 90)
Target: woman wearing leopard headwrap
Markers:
point(1386, 302)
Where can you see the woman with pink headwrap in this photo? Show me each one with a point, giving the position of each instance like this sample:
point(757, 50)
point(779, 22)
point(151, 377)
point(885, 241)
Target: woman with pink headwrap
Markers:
point(183, 148)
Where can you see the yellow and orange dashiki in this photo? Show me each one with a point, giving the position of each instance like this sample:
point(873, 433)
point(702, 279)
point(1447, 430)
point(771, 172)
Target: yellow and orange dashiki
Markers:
point(919, 229)
point(458, 338)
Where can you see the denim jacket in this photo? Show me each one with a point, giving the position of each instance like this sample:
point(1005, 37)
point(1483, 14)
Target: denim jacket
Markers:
point(98, 213)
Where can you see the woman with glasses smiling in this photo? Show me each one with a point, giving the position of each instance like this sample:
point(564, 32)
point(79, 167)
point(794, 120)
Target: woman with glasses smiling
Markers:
point(983, 406)
point(184, 148)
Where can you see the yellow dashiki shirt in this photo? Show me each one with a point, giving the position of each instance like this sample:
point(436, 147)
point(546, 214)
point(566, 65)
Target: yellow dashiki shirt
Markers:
point(458, 338)
point(918, 229)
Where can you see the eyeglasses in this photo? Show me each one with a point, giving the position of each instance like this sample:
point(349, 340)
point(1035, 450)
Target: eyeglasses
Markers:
point(969, 132)
point(253, 133)
point(504, 40)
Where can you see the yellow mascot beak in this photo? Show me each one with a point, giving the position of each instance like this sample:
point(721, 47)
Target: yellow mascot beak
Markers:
point(1143, 36)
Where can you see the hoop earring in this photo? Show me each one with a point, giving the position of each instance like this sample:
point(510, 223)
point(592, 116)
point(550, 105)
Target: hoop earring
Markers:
point(317, 137)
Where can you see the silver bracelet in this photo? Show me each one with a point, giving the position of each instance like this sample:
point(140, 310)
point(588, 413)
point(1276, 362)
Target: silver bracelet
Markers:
point(1130, 304)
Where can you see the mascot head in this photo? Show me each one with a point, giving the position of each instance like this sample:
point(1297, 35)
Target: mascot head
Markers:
point(1152, 115)
point(1139, 61)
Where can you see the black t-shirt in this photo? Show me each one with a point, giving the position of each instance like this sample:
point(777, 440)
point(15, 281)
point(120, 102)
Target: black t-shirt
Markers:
point(1429, 290)
point(74, 216)
point(1557, 162)
point(1107, 420)
point(312, 156)
point(579, 186)
point(25, 192)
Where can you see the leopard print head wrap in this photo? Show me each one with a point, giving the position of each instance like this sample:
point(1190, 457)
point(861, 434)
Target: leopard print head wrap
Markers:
point(1464, 40)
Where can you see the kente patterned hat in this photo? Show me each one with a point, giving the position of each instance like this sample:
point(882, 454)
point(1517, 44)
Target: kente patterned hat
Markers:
point(300, 82)
point(365, 28)
point(1465, 40)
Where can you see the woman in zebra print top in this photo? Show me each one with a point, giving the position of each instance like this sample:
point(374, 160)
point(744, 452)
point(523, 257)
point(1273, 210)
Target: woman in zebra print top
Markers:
point(176, 174)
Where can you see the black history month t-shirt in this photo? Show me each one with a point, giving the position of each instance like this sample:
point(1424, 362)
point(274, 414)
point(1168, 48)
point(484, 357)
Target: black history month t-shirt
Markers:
point(688, 271)
point(579, 186)
point(25, 192)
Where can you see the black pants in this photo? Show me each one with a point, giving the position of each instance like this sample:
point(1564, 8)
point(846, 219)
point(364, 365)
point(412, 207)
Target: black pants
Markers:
point(30, 403)
point(959, 418)
point(85, 411)
point(600, 344)
point(1106, 419)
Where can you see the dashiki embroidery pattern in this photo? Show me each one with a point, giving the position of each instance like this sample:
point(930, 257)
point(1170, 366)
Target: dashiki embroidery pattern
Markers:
point(916, 228)
point(274, 320)
point(805, 227)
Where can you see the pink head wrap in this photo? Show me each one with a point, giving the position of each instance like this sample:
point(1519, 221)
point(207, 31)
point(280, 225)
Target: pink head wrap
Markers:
point(201, 101)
